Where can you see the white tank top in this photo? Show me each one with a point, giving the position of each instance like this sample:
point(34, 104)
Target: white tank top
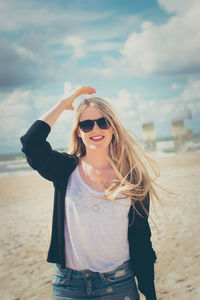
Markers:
point(96, 230)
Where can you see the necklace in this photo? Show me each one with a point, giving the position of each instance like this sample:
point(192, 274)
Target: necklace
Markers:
point(101, 180)
point(96, 207)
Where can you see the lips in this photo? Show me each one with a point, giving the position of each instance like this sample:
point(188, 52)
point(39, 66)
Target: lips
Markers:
point(97, 138)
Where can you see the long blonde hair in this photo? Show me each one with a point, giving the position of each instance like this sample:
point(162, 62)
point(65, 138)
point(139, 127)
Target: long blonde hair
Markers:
point(136, 172)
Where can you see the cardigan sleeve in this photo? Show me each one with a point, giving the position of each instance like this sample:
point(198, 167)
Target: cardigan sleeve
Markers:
point(143, 255)
point(49, 163)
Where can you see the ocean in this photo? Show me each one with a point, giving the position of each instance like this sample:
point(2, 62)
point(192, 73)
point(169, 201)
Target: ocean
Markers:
point(16, 164)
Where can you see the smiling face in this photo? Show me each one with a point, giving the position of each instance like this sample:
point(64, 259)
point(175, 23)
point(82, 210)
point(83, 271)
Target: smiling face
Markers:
point(97, 138)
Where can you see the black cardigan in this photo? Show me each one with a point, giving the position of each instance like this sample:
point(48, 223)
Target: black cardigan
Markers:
point(57, 167)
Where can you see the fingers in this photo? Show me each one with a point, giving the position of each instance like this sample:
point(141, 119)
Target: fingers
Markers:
point(92, 91)
point(87, 90)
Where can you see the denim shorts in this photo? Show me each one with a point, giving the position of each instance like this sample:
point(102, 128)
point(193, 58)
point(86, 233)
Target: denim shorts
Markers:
point(117, 284)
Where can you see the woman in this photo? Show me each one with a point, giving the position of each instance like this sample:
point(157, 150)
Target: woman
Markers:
point(100, 237)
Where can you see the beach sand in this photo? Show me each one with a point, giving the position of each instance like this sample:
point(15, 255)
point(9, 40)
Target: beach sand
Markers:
point(26, 205)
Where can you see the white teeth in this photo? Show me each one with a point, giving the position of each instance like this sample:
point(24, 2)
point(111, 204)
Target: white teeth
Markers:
point(96, 138)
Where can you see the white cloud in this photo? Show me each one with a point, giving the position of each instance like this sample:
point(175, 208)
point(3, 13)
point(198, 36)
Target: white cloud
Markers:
point(14, 17)
point(124, 100)
point(128, 106)
point(21, 51)
point(115, 26)
point(190, 97)
point(191, 92)
point(122, 104)
point(39, 48)
point(26, 62)
point(78, 44)
point(15, 109)
point(59, 19)
point(176, 86)
point(185, 104)
point(20, 109)
point(178, 6)
point(104, 46)
point(60, 131)
point(81, 47)
point(133, 108)
point(171, 48)
point(14, 106)
point(55, 20)
point(67, 88)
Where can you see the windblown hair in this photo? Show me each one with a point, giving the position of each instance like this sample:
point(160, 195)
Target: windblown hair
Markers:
point(134, 169)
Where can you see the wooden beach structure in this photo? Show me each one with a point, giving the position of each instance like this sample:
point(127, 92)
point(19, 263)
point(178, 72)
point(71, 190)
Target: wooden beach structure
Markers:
point(179, 135)
point(149, 136)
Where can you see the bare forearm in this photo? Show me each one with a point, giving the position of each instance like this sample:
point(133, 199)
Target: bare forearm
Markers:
point(65, 104)
point(53, 114)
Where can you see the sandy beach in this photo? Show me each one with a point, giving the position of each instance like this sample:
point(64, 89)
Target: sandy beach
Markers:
point(26, 205)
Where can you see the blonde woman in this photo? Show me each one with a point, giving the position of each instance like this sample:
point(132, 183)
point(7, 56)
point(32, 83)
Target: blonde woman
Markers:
point(100, 239)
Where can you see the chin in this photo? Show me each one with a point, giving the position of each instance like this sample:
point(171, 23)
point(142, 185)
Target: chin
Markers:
point(98, 147)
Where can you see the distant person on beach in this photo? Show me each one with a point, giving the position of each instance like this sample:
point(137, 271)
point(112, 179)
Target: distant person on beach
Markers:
point(100, 240)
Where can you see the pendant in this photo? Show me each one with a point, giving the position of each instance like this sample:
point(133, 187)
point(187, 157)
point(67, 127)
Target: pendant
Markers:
point(96, 207)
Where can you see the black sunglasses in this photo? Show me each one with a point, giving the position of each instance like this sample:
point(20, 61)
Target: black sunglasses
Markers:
point(88, 125)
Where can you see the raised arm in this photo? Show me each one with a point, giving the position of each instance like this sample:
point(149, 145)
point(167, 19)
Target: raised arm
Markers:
point(65, 104)
point(49, 163)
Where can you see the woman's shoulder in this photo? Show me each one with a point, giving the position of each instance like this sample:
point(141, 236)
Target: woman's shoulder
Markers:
point(63, 164)
point(70, 159)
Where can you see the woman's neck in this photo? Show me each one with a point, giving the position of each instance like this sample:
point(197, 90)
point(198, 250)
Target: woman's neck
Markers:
point(96, 160)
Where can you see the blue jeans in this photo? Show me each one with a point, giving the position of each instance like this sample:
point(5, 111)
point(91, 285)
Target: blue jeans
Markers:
point(117, 284)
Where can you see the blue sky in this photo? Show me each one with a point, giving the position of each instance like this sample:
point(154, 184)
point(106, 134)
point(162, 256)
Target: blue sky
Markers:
point(142, 56)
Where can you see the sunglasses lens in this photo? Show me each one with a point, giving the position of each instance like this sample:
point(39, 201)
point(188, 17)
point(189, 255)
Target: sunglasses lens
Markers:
point(87, 125)
point(103, 123)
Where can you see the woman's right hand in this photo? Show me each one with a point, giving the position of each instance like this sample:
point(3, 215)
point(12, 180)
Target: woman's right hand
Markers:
point(68, 102)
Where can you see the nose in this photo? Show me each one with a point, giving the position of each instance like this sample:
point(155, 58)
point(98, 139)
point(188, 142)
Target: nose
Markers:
point(96, 127)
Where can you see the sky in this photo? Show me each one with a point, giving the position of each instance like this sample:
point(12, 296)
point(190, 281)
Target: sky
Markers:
point(141, 56)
